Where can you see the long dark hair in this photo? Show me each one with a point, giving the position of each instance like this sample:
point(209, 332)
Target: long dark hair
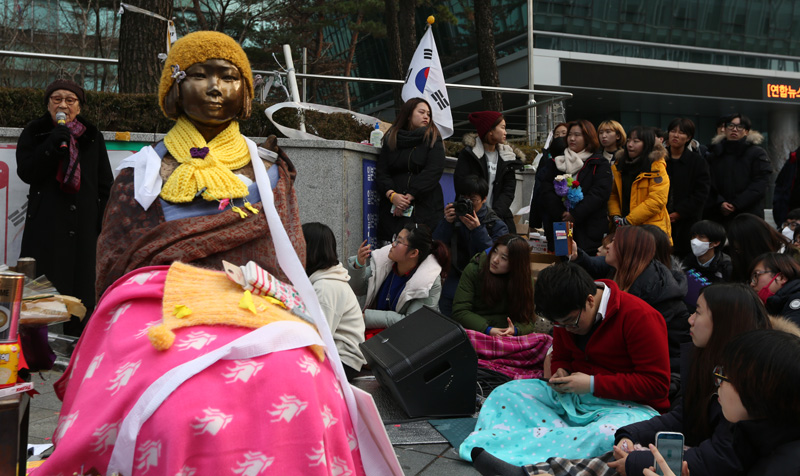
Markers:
point(635, 249)
point(663, 245)
point(777, 263)
point(516, 286)
point(645, 134)
point(420, 239)
point(750, 236)
point(403, 121)
point(737, 309)
point(320, 247)
point(764, 368)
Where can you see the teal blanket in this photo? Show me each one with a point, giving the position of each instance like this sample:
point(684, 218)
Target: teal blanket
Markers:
point(525, 422)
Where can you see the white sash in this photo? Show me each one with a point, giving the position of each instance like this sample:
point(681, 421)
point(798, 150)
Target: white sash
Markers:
point(377, 454)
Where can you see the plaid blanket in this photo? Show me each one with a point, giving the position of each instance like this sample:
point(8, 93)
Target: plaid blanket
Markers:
point(574, 467)
point(519, 357)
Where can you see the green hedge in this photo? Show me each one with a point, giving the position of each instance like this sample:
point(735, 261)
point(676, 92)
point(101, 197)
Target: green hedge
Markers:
point(140, 113)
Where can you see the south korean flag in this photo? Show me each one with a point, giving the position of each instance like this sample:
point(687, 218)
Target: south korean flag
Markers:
point(426, 80)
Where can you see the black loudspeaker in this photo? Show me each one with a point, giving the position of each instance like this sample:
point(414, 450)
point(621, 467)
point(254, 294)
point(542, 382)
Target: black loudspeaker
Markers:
point(427, 363)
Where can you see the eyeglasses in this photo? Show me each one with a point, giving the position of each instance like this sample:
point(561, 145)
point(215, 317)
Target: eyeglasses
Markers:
point(757, 274)
point(58, 99)
point(569, 326)
point(734, 127)
point(719, 376)
point(396, 241)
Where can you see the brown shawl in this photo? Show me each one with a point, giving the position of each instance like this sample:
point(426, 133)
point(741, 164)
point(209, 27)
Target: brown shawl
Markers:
point(133, 238)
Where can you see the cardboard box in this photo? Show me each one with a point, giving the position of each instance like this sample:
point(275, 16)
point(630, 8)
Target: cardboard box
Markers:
point(522, 228)
point(540, 261)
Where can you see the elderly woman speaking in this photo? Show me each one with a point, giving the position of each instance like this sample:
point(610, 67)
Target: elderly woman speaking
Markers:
point(64, 160)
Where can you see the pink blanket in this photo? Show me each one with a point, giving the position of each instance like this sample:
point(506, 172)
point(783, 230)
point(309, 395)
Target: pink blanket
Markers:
point(283, 411)
point(518, 357)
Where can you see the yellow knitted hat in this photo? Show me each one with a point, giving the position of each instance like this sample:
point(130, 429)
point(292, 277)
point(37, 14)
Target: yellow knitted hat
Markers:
point(198, 47)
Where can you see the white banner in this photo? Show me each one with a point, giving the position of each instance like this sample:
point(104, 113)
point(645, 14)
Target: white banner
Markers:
point(425, 79)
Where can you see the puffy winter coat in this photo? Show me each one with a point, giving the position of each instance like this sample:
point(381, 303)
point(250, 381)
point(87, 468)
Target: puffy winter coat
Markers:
point(472, 312)
point(414, 167)
point(649, 193)
point(713, 457)
point(472, 161)
point(423, 289)
point(658, 287)
point(740, 173)
point(590, 214)
point(786, 302)
point(689, 182)
point(786, 196)
point(342, 311)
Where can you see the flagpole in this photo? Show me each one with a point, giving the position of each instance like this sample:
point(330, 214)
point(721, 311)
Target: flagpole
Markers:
point(531, 100)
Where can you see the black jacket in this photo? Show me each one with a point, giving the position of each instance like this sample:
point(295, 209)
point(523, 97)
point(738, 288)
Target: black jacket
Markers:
point(787, 194)
point(658, 286)
point(713, 457)
point(767, 448)
point(786, 302)
point(415, 168)
point(740, 172)
point(718, 271)
point(591, 213)
point(689, 183)
point(61, 229)
point(472, 161)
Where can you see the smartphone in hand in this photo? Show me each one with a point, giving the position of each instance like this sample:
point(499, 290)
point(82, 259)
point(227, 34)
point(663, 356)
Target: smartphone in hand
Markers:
point(670, 445)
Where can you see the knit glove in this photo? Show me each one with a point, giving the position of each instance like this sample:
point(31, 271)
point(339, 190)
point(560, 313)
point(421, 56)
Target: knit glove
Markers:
point(620, 221)
point(259, 281)
point(58, 136)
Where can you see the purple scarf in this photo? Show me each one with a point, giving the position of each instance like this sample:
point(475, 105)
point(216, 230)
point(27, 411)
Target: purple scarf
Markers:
point(69, 171)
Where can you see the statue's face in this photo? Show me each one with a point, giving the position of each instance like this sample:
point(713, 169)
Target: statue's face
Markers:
point(212, 93)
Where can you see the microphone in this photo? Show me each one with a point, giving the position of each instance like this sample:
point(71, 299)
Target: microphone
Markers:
point(61, 119)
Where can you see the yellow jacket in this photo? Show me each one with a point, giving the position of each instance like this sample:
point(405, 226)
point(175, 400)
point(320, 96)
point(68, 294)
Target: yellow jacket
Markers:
point(649, 194)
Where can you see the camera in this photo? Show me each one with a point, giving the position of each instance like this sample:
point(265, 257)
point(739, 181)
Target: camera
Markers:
point(463, 207)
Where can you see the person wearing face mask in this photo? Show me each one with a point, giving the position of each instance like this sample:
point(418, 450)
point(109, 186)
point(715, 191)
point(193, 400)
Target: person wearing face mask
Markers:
point(586, 164)
point(66, 165)
point(750, 236)
point(707, 257)
point(776, 279)
point(791, 224)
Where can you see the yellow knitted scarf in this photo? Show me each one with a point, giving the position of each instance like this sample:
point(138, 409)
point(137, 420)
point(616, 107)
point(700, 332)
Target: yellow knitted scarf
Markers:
point(205, 165)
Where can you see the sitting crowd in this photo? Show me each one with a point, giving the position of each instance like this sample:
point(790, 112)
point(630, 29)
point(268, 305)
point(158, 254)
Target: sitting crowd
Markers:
point(677, 308)
point(663, 241)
